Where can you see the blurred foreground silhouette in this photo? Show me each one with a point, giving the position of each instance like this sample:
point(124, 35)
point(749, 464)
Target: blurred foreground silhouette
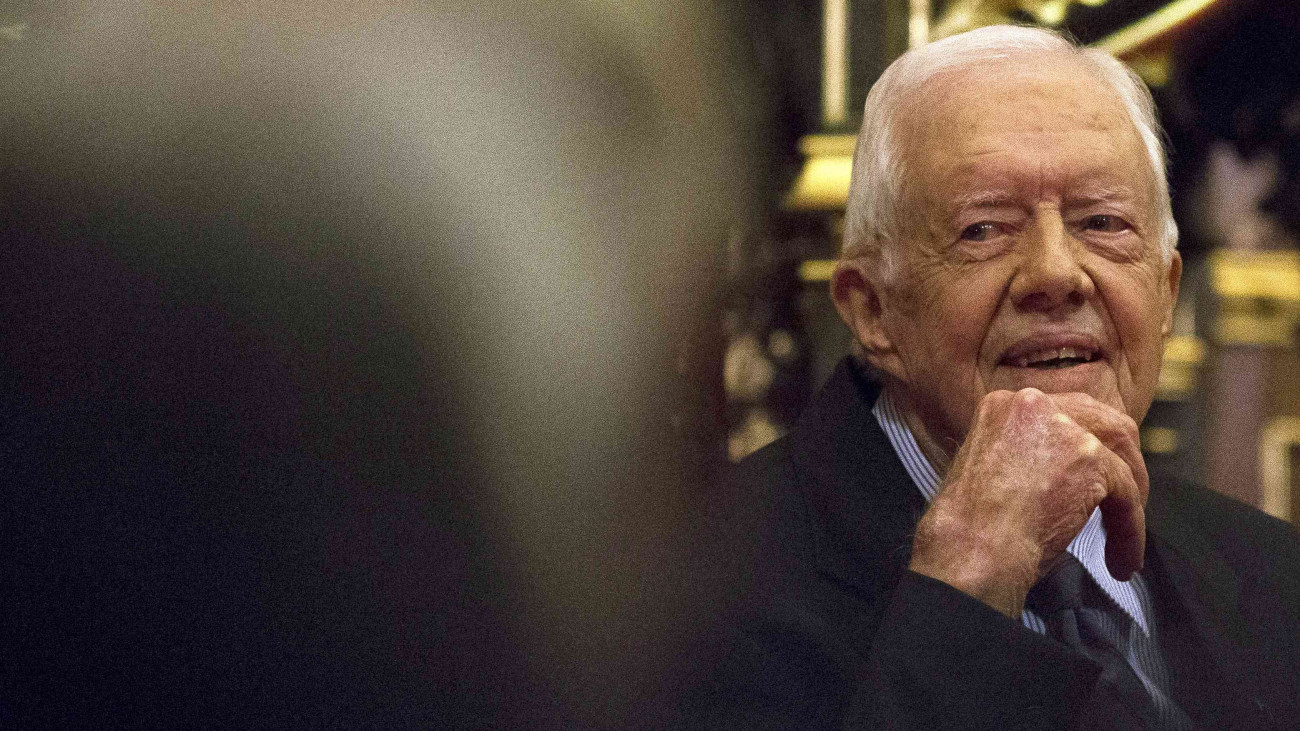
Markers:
point(338, 357)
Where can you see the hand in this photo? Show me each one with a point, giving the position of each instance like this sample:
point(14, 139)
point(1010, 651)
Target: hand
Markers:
point(1021, 487)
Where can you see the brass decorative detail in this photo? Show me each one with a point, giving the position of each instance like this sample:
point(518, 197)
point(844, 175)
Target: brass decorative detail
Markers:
point(1259, 297)
point(964, 15)
point(823, 183)
point(1159, 440)
point(835, 62)
point(816, 270)
point(1153, 26)
point(1181, 368)
point(1279, 437)
point(918, 23)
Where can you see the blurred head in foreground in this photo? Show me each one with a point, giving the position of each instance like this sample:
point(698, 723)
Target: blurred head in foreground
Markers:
point(337, 352)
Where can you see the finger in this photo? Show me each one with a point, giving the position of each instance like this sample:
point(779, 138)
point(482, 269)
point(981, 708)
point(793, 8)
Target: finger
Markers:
point(1115, 430)
point(1122, 511)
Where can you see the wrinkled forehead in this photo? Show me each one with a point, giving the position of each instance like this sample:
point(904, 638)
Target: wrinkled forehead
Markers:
point(1028, 99)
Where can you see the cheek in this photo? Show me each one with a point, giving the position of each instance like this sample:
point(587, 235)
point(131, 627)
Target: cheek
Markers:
point(944, 314)
point(937, 311)
point(946, 332)
point(1137, 310)
point(967, 308)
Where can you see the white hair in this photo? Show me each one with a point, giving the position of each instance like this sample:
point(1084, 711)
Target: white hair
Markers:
point(871, 217)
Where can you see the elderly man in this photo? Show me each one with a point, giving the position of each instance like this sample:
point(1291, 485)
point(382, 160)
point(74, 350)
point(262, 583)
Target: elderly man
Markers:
point(976, 542)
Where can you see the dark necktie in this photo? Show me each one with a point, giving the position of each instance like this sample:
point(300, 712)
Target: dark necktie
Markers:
point(1079, 614)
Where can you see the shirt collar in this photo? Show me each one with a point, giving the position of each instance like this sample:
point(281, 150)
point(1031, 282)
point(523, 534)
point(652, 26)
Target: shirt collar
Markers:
point(1089, 546)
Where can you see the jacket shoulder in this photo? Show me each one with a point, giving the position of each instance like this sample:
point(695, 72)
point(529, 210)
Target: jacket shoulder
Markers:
point(760, 514)
point(1228, 523)
point(1260, 551)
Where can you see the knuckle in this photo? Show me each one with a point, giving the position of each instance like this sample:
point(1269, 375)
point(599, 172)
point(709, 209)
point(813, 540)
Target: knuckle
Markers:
point(1092, 486)
point(1028, 400)
point(1090, 445)
point(993, 401)
point(1030, 395)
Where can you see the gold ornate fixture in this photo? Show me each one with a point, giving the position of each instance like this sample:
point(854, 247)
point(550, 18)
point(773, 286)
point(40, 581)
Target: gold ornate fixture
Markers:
point(823, 183)
point(1259, 297)
point(964, 15)
point(1276, 449)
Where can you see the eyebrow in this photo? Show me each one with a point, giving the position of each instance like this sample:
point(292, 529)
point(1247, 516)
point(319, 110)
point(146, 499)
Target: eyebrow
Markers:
point(1087, 195)
point(1102, 194)
point(983, 199)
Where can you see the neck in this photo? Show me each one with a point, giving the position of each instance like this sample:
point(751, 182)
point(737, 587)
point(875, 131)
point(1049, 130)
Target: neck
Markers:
point(938, 450)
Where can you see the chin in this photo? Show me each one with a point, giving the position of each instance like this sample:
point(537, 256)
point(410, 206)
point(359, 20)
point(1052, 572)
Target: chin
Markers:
point(1097, 379)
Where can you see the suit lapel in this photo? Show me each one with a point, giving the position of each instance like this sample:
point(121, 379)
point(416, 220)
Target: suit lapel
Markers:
point(863, 505)
point(1211, 593)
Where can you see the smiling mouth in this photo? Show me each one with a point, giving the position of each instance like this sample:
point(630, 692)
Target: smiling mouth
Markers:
point(1050, 358)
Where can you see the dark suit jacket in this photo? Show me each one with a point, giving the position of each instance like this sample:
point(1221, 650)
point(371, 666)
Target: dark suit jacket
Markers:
point(832, 631)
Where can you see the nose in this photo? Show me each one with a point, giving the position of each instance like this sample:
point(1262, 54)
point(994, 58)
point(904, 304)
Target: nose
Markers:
point(1051, 274)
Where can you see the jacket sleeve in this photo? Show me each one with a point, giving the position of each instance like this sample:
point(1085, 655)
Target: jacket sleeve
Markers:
point(934, 658)
point(941, 659)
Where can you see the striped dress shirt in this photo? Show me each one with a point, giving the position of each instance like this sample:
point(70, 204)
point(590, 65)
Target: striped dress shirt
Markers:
point(1137, 640)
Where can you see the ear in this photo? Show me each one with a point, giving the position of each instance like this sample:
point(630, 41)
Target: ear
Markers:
point(1175, 275)
point(858, 299)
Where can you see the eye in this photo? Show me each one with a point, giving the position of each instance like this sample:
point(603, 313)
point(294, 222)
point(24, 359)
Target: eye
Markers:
point(979, 231)
point(1105, 223)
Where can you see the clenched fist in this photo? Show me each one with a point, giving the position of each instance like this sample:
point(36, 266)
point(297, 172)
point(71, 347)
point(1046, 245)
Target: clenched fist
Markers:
point(1021, 487)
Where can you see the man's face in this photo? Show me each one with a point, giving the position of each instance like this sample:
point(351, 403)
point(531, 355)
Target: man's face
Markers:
point(1029, 254)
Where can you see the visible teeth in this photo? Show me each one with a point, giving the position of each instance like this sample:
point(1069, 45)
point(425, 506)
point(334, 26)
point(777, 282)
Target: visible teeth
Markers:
point(1046, 354)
